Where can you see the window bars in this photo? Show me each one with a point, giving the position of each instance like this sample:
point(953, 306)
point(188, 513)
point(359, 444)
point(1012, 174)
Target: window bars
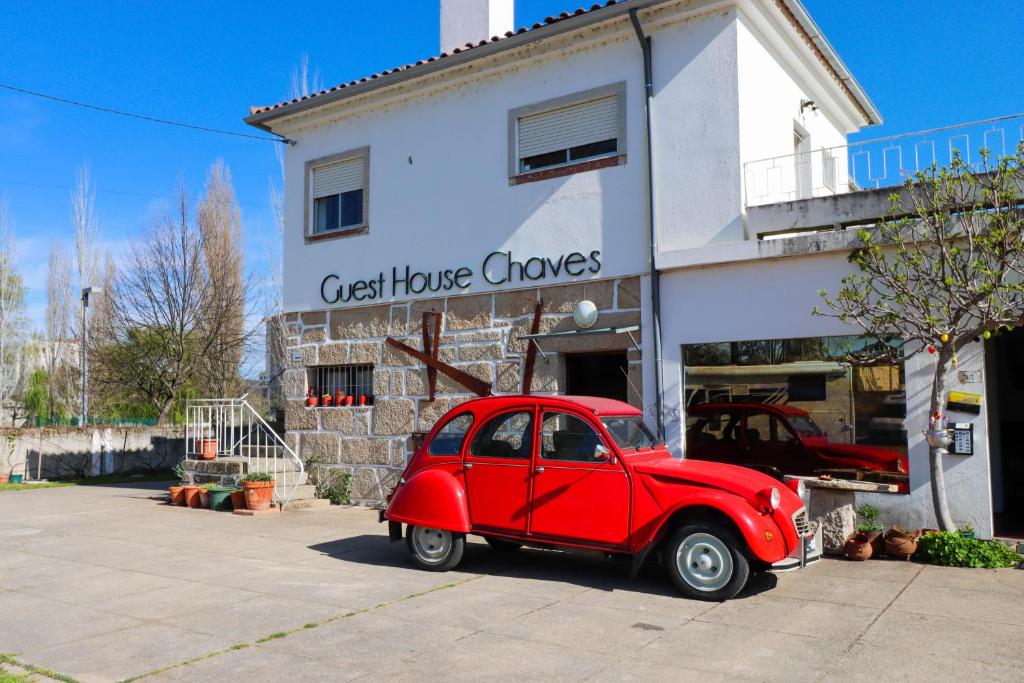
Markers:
point(352, 380)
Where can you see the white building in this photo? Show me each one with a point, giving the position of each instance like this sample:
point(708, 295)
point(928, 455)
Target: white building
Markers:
point(531, 164)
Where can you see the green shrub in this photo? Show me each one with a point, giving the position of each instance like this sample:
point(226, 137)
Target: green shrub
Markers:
point(868, 518)
point(951, 549)
point(259, 476)
point(335, 487)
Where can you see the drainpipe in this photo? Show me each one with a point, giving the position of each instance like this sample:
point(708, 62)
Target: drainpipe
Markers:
point(645, 45)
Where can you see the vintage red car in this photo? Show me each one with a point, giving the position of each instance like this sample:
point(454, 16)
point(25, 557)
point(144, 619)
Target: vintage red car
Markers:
point(583, 472)
point(779, 439)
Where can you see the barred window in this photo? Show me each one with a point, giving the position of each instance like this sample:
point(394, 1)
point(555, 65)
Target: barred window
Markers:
point(352, 380)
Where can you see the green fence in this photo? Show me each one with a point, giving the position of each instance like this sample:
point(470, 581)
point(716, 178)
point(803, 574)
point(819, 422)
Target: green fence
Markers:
point(92, 421)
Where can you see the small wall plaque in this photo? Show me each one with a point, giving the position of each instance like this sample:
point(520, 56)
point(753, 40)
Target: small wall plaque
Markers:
point(297, 356)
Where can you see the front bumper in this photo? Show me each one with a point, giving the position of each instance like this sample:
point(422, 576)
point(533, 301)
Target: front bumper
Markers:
point(809, 552)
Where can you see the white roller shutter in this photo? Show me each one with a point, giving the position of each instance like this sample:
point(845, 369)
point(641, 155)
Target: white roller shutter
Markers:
point(571, 126)
point(343, 176)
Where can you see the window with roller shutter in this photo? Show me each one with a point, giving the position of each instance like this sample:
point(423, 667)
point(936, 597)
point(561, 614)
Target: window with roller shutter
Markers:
point(568, 132)
point(337, 194)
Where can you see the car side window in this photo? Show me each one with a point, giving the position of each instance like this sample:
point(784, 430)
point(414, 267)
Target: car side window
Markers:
point(448, 440)
point(718, 427)
point(568, 437)
point(509, 435)
point(765, 428)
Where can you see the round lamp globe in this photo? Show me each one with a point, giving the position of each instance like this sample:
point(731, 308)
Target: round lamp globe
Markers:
point(585, 314)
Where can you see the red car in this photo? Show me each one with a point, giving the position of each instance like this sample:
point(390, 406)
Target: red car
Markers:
point(586, 473)
point(777, 439)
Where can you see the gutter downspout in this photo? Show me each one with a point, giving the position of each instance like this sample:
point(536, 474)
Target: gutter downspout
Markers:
point(645, 45)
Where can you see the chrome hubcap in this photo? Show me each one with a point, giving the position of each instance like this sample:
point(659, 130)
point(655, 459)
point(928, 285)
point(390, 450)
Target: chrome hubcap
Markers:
point(704, 562)
point(432, 545)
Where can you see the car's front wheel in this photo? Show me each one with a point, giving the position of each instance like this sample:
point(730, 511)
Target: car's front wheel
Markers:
point(707, 562)
point(436, 550)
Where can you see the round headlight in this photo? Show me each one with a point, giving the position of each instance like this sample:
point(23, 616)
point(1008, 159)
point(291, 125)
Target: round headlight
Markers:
point(769, 499)
point(775, 498)
point(798, 487)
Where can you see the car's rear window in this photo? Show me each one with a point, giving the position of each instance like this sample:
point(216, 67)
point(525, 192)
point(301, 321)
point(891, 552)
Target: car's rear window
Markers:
point(448, 440)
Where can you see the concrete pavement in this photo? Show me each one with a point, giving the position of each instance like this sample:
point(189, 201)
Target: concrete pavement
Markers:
point(104, 584)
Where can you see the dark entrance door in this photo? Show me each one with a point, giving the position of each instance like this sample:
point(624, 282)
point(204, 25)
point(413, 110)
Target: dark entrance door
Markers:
point(596, 374)
point(1004, 378)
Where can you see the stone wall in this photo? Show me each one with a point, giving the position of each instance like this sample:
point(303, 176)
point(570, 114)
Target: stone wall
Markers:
point(479, 336)
point(72, 452)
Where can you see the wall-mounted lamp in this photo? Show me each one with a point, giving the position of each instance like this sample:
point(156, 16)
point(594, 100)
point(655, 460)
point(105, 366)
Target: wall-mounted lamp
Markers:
point(804, 104)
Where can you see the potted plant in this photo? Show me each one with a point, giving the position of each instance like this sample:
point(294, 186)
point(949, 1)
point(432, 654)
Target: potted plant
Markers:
point(204, 495)
point(220, 496)
point(857, 547)
point(870, 527)
point(900, 544)
point(310, 399)
point(349, 399)
point(176, 493)
point(339, 397)
point(206, 448)
point(362, 399)
point(325, 400)
point(237, 497)
point(190, 492)
point(259, 490)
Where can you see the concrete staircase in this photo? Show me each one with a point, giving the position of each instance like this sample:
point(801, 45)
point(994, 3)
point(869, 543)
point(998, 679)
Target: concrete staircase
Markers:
point(229, 470)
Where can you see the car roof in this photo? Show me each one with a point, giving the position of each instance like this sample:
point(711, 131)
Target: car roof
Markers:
point(593, 404)
point(780, 408)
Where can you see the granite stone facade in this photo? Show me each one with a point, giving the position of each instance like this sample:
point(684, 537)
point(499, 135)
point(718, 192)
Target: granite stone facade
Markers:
point(479, 335)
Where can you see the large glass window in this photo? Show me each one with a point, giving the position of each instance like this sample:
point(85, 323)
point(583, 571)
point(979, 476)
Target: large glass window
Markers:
point(509, 435)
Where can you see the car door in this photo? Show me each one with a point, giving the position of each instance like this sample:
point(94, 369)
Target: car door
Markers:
point(580, 489)
point(497, 471)
point(769, 445)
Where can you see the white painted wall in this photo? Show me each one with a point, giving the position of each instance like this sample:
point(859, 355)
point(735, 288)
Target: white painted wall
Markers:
point(439, 193)
point(773, 299)
point(470, 21)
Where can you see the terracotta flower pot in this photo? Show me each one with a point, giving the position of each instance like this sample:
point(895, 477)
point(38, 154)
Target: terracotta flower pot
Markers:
point(204, 498)
point(238, 500)
point(858, 547)
point(191, 494)
point(4, 478)
point(207, 448)
point(339, 397)
point(311, 402)
point(177, 494)
point(349, 400)
point(362, 399)
point(877, 542)
point(900, 544)
point(258, 494)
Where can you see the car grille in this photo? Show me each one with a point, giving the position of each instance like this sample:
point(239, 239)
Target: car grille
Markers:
point(800, 521)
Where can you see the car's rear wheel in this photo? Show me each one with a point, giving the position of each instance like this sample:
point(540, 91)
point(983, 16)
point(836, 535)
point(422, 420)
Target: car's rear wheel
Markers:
point(707, 561)
point(502, 545)
point(436, 550)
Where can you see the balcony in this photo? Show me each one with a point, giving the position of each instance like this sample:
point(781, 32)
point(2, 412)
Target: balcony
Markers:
point(875, 164)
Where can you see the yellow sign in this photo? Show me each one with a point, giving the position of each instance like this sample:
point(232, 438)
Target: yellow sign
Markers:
point(964, 402)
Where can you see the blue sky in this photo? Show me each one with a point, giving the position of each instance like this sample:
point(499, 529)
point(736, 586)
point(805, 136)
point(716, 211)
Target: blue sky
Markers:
point(925, 63)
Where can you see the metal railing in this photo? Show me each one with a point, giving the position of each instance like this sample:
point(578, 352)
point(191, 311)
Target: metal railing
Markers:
point(872, 164)
point(230, 427)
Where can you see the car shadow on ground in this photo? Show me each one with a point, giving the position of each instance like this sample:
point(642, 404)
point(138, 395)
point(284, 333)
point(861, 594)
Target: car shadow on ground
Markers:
point(586, 569)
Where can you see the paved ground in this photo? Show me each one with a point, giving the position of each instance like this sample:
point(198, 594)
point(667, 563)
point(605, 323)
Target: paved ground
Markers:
point(103, 583)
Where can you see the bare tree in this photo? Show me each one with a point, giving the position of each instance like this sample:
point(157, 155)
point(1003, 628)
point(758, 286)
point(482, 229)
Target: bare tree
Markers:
point(304, 82)
point(12, 322)
point(168, 314)
point(58, 350)
point(946, 268)
point(219, 222)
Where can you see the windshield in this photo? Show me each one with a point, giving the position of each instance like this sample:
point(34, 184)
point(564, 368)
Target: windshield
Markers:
point(629, 432)
point(805, 426)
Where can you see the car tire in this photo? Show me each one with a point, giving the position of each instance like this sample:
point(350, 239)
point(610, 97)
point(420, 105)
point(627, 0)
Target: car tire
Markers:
point(501, 545)
point(707, 561)
point(435, 550)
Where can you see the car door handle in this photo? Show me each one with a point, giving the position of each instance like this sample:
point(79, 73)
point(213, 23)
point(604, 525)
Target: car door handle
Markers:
point(468, 466)
point(539, 470)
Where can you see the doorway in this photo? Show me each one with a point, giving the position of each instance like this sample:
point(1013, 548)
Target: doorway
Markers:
point(596, 374)
point(1004, 378)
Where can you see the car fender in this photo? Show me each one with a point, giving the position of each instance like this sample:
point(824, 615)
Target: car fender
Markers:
point(432, 497)
point(752, 524)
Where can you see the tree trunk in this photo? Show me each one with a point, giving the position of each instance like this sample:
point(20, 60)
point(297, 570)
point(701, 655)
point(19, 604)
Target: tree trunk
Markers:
point(942, 515)
point(164, 413)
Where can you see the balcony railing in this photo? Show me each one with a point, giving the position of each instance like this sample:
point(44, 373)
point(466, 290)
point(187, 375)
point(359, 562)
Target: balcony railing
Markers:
point(872, 164)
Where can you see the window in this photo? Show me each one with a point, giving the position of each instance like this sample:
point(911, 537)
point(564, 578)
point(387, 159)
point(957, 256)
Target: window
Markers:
point(629, 432)
point(716, 427)
point(807, 388)
point(509, 435)
point(762, 427)
point(448, 440)
point(337, 190)
point(567, 437)
point(355, 381)
point(561, 133)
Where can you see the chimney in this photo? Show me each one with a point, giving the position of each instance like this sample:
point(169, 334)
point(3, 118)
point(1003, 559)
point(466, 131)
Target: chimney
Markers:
point(470, 21)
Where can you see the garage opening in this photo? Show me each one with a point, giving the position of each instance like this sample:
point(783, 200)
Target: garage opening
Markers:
point(1004, 379)
point(596, 374)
